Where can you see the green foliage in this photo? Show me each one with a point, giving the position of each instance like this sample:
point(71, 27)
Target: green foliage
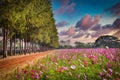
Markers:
point(83, 45)
point(30, 19)
point(109, 41)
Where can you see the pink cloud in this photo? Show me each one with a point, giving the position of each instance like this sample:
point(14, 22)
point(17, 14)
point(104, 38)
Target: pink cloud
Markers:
point(64, 2)
point(65, 7)
point(70, 7)
point(68, 32)
point(95, 30)
point(115, 10)
point(61, 24)
point(87, 22)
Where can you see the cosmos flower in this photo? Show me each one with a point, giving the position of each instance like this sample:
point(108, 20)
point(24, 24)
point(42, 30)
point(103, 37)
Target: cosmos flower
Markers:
point(38, 66)
point(65, 68)
point(37, 75)
point(73, 66)
point(110, 70)
point(47, 76)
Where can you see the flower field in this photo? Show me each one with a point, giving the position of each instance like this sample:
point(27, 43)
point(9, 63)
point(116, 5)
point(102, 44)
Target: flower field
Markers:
point(74, 64)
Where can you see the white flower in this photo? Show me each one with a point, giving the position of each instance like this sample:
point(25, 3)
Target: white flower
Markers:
point(73, 66)
point(82, 65)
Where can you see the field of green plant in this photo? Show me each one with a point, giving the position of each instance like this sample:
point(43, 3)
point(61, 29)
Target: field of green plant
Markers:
point(74, 64)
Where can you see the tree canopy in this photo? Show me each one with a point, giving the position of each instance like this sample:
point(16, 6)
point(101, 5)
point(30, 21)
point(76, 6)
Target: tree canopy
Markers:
point(107, 41)
point(29, 20)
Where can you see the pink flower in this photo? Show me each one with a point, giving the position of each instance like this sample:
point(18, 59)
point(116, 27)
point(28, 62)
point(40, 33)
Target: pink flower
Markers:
point(104, 79)
point(110, 70)
point(47, 76)
point(38, 66)
point(85, 63)
point(37, 75)
point(65, 68)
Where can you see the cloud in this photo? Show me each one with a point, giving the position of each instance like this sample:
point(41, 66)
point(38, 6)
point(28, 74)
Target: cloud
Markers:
point(108, 29)
point(107, 26)
point(68, 32)
point(92, 32)
point(87, 35)
point(61, 24)
point(87, 22)
point(78, 34)
point(96, 27)
point(115, 9)
point(117, 34)
point(100, 27)
point(65, 7)
point(116, 24)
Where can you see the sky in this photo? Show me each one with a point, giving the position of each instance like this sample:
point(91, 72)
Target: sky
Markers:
point(86, 20)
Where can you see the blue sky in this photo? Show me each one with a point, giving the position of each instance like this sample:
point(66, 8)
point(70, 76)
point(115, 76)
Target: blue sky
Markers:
point(82, 7)
point(68, 13)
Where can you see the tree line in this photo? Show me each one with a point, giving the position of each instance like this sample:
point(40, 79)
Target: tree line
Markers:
point(105, 41)
point(30, 21)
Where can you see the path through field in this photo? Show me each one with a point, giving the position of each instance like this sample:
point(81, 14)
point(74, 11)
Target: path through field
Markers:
point(9, 64)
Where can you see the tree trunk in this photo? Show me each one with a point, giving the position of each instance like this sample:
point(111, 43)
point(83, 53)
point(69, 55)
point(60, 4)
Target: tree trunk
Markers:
point(39, 47)
point(14, 46)
point(30, 46)
point(11, 53)
point(25, 46)
point(4, 43)
point(20, 47)
point(35, 47)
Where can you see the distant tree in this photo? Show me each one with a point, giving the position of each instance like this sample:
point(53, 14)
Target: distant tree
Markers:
point(107, 41)
point(89, 45)
point(79, 45)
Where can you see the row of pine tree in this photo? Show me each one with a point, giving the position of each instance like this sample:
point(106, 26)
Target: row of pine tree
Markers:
point(30, 21)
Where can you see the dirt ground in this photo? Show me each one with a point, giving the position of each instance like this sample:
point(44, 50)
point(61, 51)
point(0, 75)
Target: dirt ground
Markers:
point(9, 64)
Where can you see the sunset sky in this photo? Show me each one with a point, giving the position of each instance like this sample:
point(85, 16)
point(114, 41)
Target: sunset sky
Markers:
point(86, 20)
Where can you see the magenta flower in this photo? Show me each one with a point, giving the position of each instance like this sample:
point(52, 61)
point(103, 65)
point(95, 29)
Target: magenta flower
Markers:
point(37, 75)
point(47, 76)
point(110, 70)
